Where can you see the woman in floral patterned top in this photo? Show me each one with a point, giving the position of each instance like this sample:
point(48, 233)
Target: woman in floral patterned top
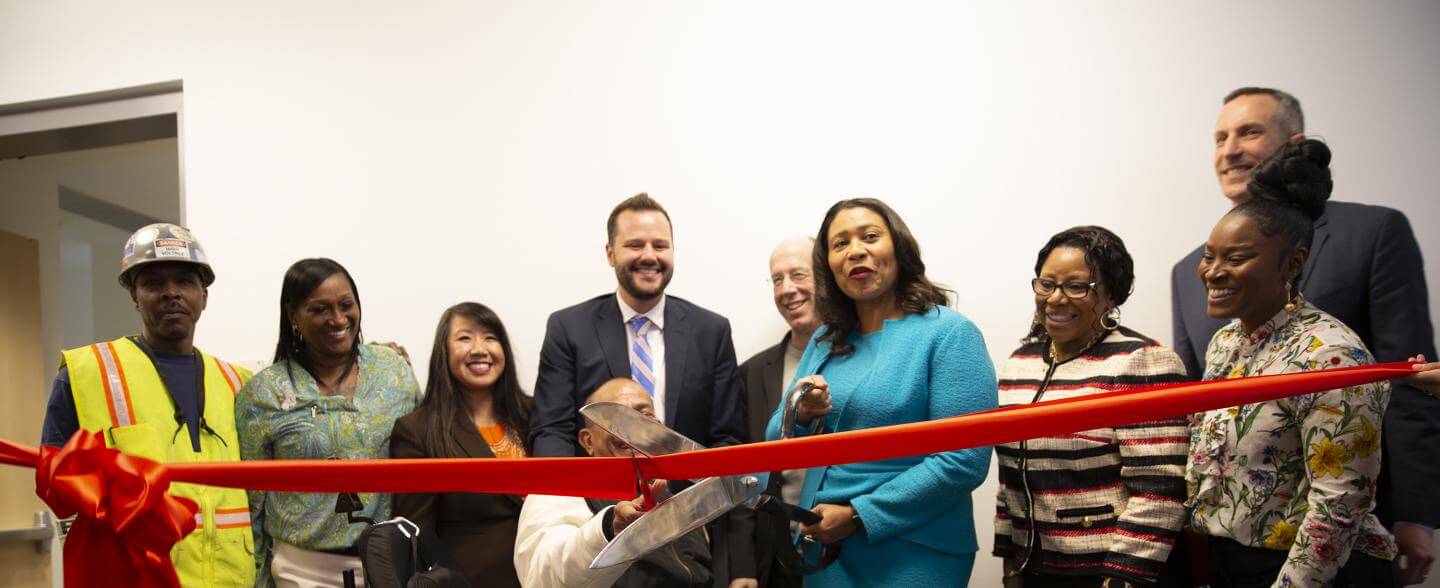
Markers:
point(473, 407)
point(327, 396)
point(1284, 488)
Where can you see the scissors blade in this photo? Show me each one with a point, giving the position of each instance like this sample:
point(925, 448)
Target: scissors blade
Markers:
point(683, 513)
point(641, 433)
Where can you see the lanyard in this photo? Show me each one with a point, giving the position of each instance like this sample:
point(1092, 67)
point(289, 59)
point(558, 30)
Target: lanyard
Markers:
point(170, 392)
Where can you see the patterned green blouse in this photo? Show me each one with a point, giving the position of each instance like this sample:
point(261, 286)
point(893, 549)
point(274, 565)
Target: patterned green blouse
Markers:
point(283, 418)
point(1296, 474)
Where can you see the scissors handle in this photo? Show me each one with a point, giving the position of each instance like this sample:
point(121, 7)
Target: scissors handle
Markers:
point(789, 511)
point(792, 409)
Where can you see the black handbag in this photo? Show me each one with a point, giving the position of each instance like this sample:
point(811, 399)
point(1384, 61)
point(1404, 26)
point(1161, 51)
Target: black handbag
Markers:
point(399, 554)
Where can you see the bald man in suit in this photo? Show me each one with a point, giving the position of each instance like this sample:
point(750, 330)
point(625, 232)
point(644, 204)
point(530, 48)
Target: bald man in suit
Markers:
point(764, 379)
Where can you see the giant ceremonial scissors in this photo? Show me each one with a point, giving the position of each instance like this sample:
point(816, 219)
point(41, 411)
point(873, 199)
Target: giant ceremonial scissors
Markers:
point(677, 515)
point(700, 503)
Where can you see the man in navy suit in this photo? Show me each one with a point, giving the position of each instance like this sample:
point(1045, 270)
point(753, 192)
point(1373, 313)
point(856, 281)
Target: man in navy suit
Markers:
point(680, 353)
point(1364, 269)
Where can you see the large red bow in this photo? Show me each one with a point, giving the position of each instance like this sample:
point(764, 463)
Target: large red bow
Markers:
point(127, 520)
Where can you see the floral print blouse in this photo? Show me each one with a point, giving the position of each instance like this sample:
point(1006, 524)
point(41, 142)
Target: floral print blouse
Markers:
point(281, 414)
point(1296, 474)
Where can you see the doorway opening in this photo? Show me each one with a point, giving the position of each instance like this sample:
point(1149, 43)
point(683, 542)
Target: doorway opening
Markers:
point(78, 175)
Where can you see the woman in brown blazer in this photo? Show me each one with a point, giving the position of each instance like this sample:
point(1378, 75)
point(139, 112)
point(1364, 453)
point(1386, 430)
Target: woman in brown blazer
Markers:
point(473, 407)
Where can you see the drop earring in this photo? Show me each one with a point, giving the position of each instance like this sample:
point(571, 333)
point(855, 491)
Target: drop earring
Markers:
point(1290, 304)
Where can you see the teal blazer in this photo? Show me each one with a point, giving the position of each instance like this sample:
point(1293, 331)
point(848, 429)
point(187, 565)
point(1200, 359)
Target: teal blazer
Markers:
point(917, 368)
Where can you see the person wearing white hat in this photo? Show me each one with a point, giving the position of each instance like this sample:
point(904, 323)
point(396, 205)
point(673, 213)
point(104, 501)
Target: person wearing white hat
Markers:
point(154, 395)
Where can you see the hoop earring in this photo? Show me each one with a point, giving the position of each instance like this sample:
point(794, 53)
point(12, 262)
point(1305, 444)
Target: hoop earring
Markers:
point(295, 334)
point(1111, 320)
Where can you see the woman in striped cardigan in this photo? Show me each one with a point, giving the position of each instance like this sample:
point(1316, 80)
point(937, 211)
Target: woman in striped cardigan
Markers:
point(1105, 506)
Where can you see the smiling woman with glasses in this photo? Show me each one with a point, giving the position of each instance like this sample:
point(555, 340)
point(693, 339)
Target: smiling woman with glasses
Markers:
point(1105, 506)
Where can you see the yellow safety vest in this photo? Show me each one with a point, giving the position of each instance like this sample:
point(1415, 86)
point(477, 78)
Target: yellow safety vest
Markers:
point(118, 392)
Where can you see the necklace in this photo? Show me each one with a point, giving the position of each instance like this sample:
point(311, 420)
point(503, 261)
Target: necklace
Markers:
point(1055, 353)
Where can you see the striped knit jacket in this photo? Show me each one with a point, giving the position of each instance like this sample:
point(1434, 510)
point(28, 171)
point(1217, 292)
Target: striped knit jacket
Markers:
point(1106, 502)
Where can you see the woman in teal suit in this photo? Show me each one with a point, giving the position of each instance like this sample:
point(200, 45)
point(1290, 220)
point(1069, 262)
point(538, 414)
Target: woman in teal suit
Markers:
point(890, 352)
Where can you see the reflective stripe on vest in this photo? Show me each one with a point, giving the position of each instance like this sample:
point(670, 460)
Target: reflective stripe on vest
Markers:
point(227, 518)
point(117, 391)
point(229, 373)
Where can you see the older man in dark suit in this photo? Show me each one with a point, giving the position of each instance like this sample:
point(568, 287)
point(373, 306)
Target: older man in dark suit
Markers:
point(1364, 269)
point(757, 536)
point(680, 353)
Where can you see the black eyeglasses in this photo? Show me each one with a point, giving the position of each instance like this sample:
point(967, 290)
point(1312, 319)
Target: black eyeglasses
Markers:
point(1046, 287)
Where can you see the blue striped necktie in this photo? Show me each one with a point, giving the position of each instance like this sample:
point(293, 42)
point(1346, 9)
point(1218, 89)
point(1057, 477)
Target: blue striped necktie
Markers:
point(642, 363)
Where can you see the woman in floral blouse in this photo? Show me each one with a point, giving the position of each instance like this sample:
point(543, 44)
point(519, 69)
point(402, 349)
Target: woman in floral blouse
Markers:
point(327, 396)
point(1284, 488)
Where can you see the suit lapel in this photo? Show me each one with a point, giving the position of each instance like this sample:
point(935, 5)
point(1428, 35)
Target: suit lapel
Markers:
point(775, 374)
point(610, 331)
point(677, 349)
point(474, 446)
point(1322, 234)
point(469, 439)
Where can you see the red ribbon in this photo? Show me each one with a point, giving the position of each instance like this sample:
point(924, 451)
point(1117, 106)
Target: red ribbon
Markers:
point(127, 522)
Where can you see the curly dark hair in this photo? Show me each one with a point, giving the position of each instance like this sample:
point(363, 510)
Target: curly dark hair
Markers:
point(1288, 193)
point(1105, 255)
point(915, 293)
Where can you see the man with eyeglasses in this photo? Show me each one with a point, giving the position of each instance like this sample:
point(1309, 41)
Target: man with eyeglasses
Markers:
point(1364, 269)
point(751, 551)
point(154, 395)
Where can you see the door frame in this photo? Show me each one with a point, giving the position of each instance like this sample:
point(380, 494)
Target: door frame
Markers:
point(96, 119)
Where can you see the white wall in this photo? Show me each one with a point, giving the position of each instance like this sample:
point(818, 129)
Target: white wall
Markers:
point(470, 150)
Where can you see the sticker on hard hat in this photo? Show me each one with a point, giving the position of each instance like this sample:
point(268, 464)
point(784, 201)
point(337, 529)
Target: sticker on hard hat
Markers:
point(171, 248)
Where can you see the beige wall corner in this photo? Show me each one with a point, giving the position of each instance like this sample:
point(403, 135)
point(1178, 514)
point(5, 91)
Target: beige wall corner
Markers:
point(24, 395)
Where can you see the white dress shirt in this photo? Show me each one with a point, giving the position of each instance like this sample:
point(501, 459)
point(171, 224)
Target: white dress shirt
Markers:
point(655, 339)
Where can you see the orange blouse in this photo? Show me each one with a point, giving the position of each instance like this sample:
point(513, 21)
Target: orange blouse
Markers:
point(502, 445)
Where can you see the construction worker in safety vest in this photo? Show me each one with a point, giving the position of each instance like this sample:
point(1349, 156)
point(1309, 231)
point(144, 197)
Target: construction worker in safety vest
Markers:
point(158, 397)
